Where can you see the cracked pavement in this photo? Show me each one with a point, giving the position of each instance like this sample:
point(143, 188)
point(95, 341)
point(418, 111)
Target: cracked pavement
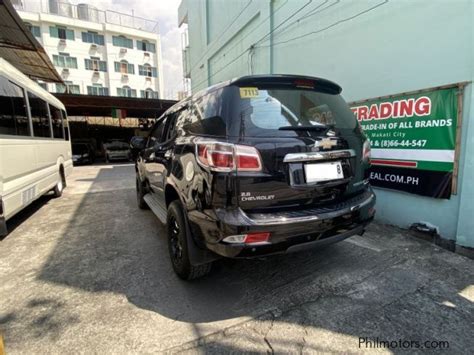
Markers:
point(89, 273)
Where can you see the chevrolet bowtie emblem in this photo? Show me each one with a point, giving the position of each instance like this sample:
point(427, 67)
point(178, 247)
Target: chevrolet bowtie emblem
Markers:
point(325, 143)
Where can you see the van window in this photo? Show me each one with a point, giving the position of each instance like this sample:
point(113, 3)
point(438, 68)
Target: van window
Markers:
point(65, 124)
point(39, 116)
point(56, 121)
point(13, 117)
point(268, 109)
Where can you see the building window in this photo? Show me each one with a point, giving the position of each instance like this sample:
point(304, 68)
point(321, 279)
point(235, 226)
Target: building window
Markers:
point(96, 64)
point(35, 30)
point(43, 85)
point(146, 46)
point(126, 91)
point(149, 94)
point(63, 60)
point(68, 87)
point(13, 117)
point(124, 67)
point(121, 41)
point(147, 70)
point(93, 37)
point(98, 90)
point(61, 33)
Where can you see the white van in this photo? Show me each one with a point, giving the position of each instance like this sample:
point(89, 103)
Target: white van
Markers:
point(35, 149)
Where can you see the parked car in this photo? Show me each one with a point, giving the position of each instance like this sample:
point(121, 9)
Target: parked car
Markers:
point(82, 153)
point(117, 150)
point(255, 166)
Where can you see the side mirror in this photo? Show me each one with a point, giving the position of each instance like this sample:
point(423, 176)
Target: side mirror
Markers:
point(138, 143)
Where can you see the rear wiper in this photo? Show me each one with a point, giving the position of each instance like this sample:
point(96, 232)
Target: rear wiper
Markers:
point(318, 127)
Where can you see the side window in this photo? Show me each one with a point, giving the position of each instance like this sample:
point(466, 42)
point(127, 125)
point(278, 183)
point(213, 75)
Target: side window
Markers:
point(206, 115)
point(56, 121)
point(156, 134)
point(172, 127)
point(65, 124)
point(39, 116)
point(13, 116)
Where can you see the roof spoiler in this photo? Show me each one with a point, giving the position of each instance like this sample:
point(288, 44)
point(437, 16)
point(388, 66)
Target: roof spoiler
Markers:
point(293, 81)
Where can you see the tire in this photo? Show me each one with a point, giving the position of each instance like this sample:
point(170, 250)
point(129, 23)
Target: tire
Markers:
point(140, 194)
point(59, 188)
point(177, 232)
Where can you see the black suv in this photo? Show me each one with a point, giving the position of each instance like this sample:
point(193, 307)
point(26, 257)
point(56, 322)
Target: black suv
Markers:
point(255, 166)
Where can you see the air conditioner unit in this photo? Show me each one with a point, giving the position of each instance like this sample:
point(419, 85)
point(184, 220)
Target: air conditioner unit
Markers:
point(123, 50)
point(93, 46)
point(148, 78)
point(62, 41)
point(124, 76)
point(147, 54)
point(65, 71)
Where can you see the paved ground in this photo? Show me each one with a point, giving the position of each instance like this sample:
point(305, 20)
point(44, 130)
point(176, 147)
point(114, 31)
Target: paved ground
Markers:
point(89, 273)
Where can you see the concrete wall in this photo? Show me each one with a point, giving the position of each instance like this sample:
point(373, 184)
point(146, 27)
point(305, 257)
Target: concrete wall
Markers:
point(372, 48)
point(108, 52)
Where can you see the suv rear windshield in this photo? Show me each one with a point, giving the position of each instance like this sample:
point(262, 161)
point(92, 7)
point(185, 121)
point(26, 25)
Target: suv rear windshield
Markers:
point(263, 112)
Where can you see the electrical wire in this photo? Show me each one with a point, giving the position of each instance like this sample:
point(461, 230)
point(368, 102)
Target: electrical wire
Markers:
point(328, 27)
point(223, 67)
point(252, 47)
point(252, 32)
point(222, 33)
point(283, 22)
point(309, 14)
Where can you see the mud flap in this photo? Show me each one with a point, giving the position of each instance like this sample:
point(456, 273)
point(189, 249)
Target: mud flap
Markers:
point(197, 256)
point(3, 227)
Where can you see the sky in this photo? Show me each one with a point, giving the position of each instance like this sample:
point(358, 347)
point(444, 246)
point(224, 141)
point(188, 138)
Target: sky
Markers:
point(166, 13)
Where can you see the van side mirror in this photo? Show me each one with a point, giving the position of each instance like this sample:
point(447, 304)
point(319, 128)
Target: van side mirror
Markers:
point(138, 143)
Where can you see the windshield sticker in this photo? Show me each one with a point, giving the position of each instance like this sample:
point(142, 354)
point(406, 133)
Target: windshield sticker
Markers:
point(248, 93)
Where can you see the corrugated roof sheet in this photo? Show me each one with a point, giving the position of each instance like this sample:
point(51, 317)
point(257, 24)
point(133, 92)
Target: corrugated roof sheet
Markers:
point(19, 47)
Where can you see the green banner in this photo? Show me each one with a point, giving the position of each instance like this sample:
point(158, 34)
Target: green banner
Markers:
point(414, 131)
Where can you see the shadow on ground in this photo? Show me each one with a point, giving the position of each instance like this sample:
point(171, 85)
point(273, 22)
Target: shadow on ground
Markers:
point(384, 285)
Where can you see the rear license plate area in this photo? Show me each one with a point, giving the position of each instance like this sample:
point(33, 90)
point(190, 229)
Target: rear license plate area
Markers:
point(323, 171)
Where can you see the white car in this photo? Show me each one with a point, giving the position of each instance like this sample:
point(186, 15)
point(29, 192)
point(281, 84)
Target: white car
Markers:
point(117, 150)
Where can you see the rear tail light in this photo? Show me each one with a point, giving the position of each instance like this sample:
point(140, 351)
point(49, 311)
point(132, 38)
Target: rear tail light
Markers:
point(228, 157)
point(250, 238)
point(366, 151)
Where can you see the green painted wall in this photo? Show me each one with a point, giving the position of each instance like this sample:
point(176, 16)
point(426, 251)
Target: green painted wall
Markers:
point(371, 48)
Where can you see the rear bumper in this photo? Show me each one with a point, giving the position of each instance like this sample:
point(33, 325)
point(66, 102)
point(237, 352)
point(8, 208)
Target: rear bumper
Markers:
point(290, 231)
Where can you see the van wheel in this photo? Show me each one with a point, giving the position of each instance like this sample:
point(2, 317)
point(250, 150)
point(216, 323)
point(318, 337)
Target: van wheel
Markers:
point(140, 194)
point(59, 188)
point(178, 245)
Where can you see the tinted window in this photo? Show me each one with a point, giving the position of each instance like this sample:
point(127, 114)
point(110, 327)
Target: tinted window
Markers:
point(207, 115)
point(56, 121)
point(66, 125)
point(80, 148)
point(157, 133)
point(265, 110)
point(13, 117)
point(39, 116)
point(171, 127)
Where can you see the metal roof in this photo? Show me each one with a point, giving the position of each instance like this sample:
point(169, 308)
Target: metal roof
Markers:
point(19, 47)
point(102, 106)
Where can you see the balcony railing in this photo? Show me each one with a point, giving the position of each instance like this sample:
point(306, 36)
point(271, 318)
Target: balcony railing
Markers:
point(86, 12)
